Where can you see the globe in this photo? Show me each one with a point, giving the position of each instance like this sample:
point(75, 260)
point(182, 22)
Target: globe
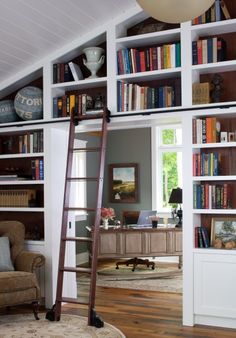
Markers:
point(28, 103)
point(7, 111)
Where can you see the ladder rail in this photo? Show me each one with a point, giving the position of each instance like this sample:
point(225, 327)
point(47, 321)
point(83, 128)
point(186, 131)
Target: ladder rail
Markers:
point(55, 312)
point(92, 292)
point(65, 212)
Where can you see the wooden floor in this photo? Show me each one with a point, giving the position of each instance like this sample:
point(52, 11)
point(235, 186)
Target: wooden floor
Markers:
point(142, 314)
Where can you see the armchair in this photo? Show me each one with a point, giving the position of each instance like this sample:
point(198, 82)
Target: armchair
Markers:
point(20, 285)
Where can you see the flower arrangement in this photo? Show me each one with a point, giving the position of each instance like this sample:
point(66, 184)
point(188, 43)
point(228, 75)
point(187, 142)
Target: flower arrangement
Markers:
point(107, 213)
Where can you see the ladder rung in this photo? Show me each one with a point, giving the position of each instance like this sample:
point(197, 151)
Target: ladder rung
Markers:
point(83, 178)
point(83, 209)
point(78, 239)
point(72, 269)
point(90, 117)
point(73, 300)
point(85, 149)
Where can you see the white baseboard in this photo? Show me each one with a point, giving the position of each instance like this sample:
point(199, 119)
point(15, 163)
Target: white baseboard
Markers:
point(82, 258)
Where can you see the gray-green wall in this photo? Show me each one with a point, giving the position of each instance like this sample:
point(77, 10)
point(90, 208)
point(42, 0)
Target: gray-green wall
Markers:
point(123, 146)
point(130, 146)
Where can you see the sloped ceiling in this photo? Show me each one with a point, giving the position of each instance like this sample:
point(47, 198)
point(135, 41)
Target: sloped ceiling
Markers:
point(32, 29)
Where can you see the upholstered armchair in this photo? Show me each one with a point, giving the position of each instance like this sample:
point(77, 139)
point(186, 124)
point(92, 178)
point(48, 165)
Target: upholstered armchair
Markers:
point(18, 282)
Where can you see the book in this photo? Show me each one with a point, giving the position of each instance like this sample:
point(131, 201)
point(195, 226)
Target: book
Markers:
point(205, 236)
point(225, 10)
point(76, 71)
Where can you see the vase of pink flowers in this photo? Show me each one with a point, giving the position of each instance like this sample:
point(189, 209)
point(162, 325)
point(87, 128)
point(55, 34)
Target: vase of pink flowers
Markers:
point(106, 214)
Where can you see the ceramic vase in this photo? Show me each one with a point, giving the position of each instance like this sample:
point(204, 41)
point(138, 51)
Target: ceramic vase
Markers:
point(105, 223)
point(94, 60)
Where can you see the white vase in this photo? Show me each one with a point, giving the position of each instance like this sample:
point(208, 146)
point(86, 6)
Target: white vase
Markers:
point(105, 223)
point(94, 60)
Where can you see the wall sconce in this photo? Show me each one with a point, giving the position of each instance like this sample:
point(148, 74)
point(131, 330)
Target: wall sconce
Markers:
point(176, 198)
point(175, 11)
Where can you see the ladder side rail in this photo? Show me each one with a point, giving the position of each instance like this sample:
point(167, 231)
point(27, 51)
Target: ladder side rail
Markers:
point(97, 221)
point(65, 212)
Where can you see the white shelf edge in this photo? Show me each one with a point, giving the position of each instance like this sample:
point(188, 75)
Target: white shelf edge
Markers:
point(22, 209)
point(214, 251)
point(214, 178)
point(24, 155)
point(229, 65)
point(147, 36)
point(214, 211)
point(21, 182)
point(80, 83)
point(153, 73)
point(214, 145)
point(225, 25)
point(164, 109)
point(32, 242)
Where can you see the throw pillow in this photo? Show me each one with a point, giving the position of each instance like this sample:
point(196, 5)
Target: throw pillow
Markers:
point(5, 255)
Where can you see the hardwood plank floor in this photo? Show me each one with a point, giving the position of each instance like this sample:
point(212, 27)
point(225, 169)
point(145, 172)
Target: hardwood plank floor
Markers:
point(140, 314)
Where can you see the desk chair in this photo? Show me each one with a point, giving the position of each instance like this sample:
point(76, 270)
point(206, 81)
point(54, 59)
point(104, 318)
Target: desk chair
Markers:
point(131, 217)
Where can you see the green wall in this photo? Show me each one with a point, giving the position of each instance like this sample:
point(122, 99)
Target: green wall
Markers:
point(123, 146)
point(130, 146)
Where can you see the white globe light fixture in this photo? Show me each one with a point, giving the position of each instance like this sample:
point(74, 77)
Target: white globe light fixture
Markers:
point(175, 11)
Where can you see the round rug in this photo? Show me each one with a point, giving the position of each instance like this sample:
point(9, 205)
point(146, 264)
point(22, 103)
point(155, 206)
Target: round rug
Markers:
point(25, 326)
point(140, 272)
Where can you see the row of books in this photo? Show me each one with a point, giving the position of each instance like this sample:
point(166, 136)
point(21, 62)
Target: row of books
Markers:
point(37, 169)
point(16, 198)
point(201, 237)
point(132, 60)
point(208, 50)
point(212, 196)
point(207, 164)
point(217, 12)
point(64, 72)
point(81, 104)
point(134, 97)
point(206, 130)
point(31, 142)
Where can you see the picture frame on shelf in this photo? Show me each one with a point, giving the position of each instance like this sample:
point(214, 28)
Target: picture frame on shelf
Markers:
point(231, 137)
point(223, 233)
point(223, 136)
point(123, 183)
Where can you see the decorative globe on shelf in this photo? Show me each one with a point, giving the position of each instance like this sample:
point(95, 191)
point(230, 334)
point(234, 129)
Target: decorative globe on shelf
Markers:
point(29, 103)
point(7, 112)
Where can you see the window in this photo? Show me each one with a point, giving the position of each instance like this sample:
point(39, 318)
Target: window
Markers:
point(79, 170)
point(167, 164)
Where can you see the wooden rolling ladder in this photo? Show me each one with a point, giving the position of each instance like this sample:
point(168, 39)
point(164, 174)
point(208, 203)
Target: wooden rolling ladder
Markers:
point(55, 312)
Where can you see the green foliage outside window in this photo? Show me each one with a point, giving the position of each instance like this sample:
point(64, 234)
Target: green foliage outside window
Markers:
point(169, 137)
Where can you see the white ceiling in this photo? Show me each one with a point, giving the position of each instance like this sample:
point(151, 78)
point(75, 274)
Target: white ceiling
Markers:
point(32, 29)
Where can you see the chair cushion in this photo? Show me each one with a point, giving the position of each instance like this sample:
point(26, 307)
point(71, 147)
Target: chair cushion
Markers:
point(17, 281)
point(5, 255)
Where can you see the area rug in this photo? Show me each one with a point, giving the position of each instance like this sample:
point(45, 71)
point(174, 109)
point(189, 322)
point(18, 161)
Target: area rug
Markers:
point(162, 279)
point(25, 326)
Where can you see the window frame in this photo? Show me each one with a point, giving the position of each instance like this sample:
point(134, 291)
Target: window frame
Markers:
point(157, 151)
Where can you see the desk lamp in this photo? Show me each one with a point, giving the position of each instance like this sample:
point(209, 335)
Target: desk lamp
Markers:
point(176, 198)
point(175, 11)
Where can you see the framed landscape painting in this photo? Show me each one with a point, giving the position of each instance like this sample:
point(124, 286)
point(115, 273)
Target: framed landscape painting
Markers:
point(123, 183)
point(223, 230)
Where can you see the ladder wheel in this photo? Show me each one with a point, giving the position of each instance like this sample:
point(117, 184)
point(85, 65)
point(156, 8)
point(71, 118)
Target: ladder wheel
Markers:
point(50, 315)
point(96, 320)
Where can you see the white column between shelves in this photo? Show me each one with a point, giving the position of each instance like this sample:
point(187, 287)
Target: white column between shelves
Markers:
point(47, 98)
point(188, 280)
point(186, 64)
point(111, 70)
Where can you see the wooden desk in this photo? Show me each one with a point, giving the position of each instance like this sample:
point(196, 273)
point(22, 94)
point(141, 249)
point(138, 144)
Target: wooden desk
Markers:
point(141, 242)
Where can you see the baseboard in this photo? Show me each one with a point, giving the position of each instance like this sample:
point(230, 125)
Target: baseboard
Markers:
point(82, 258)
